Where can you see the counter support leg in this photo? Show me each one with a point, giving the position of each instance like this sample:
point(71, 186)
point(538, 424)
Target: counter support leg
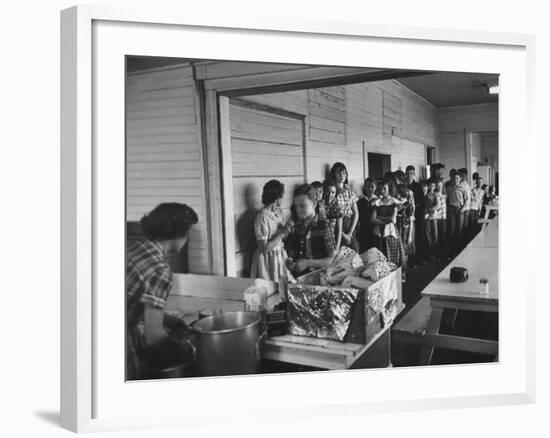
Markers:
point(433, 329)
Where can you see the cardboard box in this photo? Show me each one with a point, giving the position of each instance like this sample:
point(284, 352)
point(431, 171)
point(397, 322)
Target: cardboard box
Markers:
point(374, 307)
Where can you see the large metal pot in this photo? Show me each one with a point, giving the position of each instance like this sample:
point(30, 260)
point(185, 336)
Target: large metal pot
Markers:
point(228, 343)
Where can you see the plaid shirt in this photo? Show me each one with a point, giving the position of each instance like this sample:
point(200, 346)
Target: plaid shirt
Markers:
point(346, 197)
point(148, 279)
point(333, 212)
point(315, 241)
point(441, 212)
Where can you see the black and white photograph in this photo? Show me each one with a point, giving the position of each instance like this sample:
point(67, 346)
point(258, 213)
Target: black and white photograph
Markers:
point(285, 218)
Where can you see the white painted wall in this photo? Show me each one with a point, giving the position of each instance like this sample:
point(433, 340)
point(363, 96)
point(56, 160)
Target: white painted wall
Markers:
point(163, 155)
point(455, 122)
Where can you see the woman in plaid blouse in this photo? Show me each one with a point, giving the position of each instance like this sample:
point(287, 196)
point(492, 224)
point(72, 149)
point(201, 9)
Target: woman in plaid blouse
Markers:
point(149, 281)
point(311, 243)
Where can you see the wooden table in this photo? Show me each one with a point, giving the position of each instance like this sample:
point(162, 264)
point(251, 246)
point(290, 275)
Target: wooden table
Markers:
point(480, 258)
point(421, 325)
point(488, 208)
point(488, 236)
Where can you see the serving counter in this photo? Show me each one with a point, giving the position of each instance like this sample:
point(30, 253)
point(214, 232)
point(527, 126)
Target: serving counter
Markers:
point(195, 293)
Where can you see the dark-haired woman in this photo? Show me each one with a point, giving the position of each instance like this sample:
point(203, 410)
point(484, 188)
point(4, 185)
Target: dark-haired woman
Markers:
point(268, 261)
point(149, 281)
point(347, 200)
point(310, 244)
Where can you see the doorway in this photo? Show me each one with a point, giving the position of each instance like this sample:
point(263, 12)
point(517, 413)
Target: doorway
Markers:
point(379, 164)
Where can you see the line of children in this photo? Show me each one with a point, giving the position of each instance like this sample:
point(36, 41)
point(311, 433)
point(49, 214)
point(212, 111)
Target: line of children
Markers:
point(410, 222)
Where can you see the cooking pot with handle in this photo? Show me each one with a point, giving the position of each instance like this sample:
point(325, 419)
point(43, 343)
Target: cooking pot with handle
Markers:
point(228, 343)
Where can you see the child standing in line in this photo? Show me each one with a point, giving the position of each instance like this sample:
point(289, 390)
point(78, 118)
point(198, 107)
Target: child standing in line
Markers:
point(489, 199)
point(467, 189)
point(333, 211)
point(441, 219)
point(388, 239)
point(406, 219)
point(317, 188)
point(431, 205)
point(476, 204)
point(364, 206)
point(270, 229)
point(347, 200)
point(455, 215)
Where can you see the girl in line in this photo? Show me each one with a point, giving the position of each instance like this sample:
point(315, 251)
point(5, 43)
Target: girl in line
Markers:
point(405, 219)
point(268, 261)
point(385, 218)
point(365, 208)
point(333, 211)
point(347, 199)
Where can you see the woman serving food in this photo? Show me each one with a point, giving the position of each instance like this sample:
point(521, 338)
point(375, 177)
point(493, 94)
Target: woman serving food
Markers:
point(149, 282)
point(310, 244)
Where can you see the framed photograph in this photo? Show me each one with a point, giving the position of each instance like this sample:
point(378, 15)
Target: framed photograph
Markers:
point(316, 212)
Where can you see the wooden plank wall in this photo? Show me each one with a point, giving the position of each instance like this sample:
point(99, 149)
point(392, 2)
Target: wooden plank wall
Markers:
point(345, 123)
point(264, 146)
point(455, 121)
point(163, 154)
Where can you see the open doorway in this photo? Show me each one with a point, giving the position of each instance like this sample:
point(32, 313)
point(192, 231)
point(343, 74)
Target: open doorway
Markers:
point(379, 164)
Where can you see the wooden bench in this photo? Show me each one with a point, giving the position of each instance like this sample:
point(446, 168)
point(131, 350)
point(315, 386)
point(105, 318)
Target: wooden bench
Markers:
point(420, 326)
point(413, 325)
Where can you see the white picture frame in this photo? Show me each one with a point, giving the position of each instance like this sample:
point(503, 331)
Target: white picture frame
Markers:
point(87, 403)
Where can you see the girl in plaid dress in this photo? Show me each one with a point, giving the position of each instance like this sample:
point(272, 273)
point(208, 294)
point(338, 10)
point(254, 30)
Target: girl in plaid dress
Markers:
point(347, 199)
point(333, 211)
point(385, 218)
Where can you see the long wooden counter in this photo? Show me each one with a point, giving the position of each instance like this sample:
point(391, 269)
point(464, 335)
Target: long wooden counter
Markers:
point(193, 293)
point(422, 324)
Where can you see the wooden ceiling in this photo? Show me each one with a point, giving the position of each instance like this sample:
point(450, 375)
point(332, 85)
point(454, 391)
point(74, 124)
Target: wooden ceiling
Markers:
point(441, 89)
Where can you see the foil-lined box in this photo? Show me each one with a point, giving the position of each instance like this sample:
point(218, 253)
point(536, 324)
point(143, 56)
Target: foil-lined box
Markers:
point(320, 311)
point(343, 314)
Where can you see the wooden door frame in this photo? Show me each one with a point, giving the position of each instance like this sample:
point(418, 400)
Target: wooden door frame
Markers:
point(214, 94)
